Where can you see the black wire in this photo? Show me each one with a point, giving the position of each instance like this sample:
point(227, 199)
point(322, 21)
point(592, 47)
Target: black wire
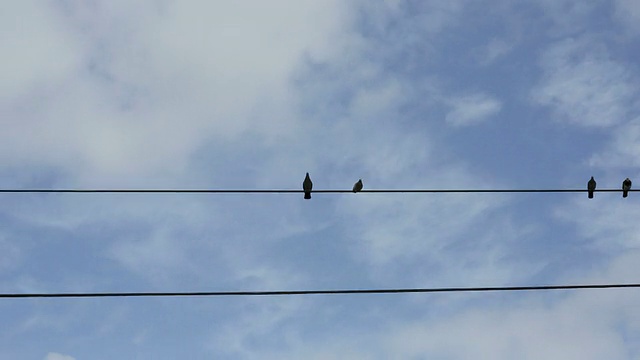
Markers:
point(212, 191)
point(321, 292)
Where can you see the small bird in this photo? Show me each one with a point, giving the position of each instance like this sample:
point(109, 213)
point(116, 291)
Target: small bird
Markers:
point(307, 185)
point(591, 186)
point(357, 187)
point(626, 186)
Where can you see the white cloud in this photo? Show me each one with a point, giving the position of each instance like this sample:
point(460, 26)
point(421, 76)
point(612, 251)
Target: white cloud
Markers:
point(155, 255)
point(564, 18)
point(56, 356)
point(584, 86)
point(606, 221)
point(472, 109)
point(443, 238)
point(628, 12)
point(263, 319)
point(146, 87)
point(622, 151)
point(38, 49)
point(530, 331)
point(429, 17)
point(494, 49)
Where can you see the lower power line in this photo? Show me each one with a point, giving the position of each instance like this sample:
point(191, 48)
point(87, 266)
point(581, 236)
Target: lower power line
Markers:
point(321, 292)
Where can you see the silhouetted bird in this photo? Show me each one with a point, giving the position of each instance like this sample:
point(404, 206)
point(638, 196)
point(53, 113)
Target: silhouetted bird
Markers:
point(626, 186)
point(357, 187)
point(307, 185)
point(591, 186)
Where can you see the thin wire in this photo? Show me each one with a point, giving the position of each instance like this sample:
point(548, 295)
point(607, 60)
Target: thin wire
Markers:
point(321, 292)
point(247, 191)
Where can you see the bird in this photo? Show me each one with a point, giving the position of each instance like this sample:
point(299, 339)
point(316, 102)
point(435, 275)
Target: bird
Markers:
point(626, 186)
point(307, 185)
point(357, 187)
point(591, 186)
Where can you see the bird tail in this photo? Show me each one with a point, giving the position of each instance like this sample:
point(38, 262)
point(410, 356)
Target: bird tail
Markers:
point(625, 193)
point(590, 195)
point(307, 195)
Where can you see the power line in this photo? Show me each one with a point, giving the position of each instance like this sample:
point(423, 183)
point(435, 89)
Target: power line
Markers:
point(321, 292)
point(249, 191)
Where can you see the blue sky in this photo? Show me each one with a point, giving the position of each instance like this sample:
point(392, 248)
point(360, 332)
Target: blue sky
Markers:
point(252, 94)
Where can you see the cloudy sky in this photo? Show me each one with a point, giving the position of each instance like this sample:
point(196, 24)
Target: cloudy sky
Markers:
point(250, 94)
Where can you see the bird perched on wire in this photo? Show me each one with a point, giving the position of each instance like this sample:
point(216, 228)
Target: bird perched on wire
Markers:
point(591, 186)
point(626, 186)
point(307, 185)
point(357, 187)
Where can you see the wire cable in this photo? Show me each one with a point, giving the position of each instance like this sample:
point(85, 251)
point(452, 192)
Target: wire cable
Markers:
point(249, 191)
point(320, 292)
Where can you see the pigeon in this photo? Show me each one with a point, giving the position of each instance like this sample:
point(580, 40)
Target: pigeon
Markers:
point(357, 187)
point(626, 186)
point(591, 186)
point(307, 185)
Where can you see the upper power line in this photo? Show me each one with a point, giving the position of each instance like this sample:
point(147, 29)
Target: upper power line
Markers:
point(213, 191)
point(307, 189)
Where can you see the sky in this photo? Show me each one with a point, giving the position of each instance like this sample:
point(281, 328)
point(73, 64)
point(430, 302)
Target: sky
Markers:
point(247, 94)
